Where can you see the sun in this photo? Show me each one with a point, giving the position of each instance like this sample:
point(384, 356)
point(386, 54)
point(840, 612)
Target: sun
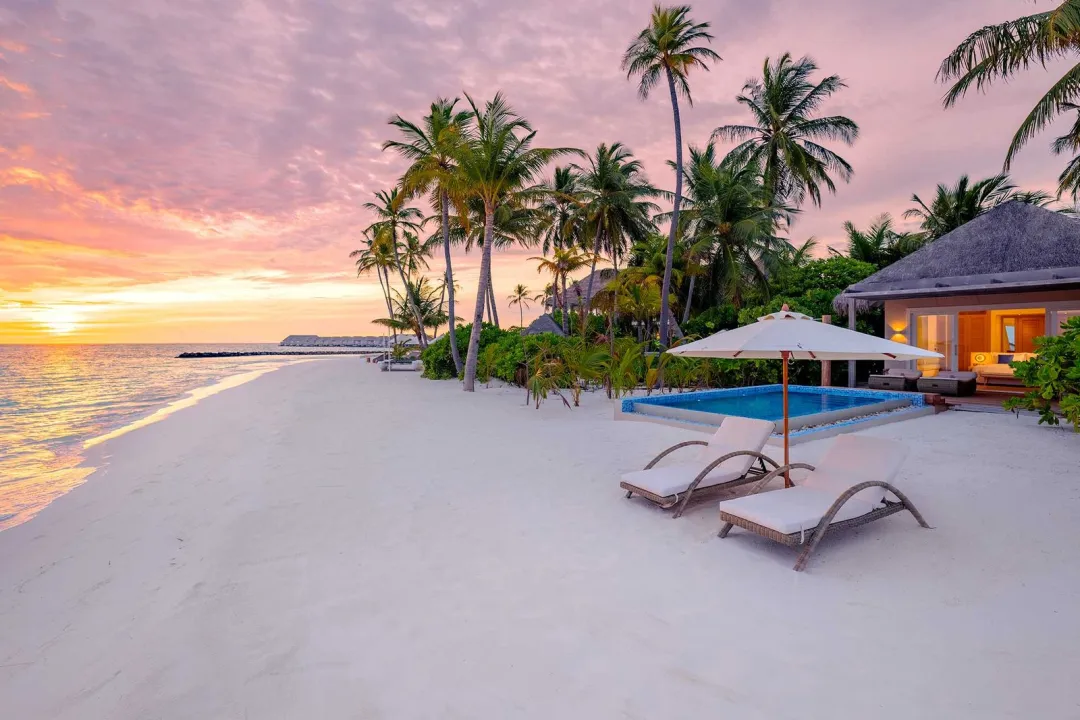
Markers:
point(59, 321)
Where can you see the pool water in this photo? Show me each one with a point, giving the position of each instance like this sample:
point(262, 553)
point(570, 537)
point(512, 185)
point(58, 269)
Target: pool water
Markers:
point(770, 405)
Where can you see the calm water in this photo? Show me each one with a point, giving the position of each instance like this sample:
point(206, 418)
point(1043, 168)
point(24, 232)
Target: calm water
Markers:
point(54, 399)
point(770, 406)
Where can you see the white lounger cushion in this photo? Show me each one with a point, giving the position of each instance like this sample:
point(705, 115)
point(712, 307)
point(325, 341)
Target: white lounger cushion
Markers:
point(674, 479)
point(733, 435)
point(792, 510)
point(853, 459)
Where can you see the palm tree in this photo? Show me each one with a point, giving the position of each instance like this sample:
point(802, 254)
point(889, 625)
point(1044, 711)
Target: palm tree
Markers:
point(393, 215)
point(648, 263)
point(521, 296)
point(965, 201)
point(880, 245)
point(426, 298)
point(432, 146)
point(497, 161)
point(797, 257)
point(515, 224)
point(729, 224)
point(559, 225)
point(414, 253)
point(1000, 52)
point(670, 47)
point(1069, 179)
point(562, 263)
point(378, 256)
point(612, 205)
point(784, 141)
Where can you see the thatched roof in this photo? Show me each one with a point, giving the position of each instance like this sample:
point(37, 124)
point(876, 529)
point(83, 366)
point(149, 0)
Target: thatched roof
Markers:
point(543, 324)
point(577, 291)
point(1012, 248)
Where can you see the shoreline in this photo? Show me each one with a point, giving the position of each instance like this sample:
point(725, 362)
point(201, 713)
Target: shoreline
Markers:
point(332, 541)
point(89, 461)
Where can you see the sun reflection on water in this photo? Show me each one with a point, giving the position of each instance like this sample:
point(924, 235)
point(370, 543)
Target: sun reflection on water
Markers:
point(57, 400)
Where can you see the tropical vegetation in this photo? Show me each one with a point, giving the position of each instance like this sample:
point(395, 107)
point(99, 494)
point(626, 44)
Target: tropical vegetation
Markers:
point(1001, 52)
point(629, 268)
point(1054, 375)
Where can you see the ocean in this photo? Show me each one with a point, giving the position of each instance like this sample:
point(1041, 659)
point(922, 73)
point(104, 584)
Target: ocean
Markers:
point(56, 400)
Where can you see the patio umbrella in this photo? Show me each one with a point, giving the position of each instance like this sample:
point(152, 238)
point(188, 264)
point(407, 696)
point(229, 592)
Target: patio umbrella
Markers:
point(788, 335)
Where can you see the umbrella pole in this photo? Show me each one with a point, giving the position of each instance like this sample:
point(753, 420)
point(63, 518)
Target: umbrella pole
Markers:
point(787, 473)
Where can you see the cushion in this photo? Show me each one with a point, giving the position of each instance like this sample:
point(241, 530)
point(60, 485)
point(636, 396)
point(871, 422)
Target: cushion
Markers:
point(960, 375)
point(734, 434)
point(1005, 358)
point(792, 510)
point(674, 479)
point(852, 459)
point(904, 373)
point(1023, 357)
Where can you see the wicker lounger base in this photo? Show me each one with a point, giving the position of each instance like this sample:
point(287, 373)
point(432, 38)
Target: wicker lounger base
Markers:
point(813, 537)
point(891, 382)
point(699, 494)
point(755, 472)
point(947, 386)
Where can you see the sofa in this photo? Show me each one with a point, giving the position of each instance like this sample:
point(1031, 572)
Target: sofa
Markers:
point(896, 379)
point(949, 382)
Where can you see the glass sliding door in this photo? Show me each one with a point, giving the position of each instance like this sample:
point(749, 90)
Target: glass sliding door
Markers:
point(935, 333)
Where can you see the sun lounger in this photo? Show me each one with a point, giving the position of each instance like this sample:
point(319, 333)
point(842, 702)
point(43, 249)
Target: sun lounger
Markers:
point(846, 489)
point(895, 379)
point(949, 382)
point(732, 457)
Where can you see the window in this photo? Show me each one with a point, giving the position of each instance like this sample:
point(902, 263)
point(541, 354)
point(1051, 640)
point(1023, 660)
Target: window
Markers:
point(1008, 342)
point(934, 332)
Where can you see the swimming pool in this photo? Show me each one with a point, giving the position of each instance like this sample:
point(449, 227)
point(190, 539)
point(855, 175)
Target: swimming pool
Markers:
point(770, 405)
point(809, 407)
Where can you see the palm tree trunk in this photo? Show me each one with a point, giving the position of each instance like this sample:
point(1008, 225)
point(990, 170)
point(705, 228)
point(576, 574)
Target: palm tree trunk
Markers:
point(386, 297)
point(587, 304)
point(481, 293)
point(614, 303)
point(665, 289)
point(491, 296)
point(689, 299)
point(454, 353)
point(408, 290)
point(565, 308)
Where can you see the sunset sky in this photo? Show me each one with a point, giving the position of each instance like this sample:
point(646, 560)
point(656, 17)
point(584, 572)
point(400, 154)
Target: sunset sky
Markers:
point(193, 171)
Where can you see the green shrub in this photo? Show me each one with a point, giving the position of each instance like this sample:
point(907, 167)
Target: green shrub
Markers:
point(439, 363)
point(1055, 376)
point(712, 320)
point(833, 274)
point(596, 324)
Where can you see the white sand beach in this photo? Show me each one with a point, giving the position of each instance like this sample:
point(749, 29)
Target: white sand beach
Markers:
point(329, 541)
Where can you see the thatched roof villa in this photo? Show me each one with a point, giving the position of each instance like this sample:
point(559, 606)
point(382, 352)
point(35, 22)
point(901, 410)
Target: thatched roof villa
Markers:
point(981, 294)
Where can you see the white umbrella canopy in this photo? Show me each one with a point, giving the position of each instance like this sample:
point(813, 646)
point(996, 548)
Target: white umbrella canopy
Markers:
point(788, 335)
point(795, 336)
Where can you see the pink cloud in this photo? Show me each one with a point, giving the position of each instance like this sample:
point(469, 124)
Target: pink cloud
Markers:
point(211, 139)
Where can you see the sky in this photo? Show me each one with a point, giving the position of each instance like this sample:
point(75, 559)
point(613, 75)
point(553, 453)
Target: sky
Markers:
point(195, 171)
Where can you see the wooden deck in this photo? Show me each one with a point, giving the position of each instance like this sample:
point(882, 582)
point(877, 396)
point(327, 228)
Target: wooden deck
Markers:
point(985, 399)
